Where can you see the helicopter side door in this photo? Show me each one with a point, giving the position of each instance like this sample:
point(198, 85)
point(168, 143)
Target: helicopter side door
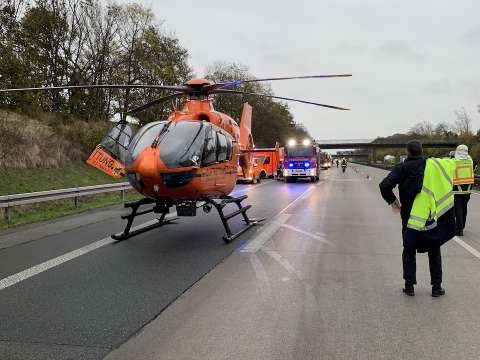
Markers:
point(222, 158)
point(217, 155)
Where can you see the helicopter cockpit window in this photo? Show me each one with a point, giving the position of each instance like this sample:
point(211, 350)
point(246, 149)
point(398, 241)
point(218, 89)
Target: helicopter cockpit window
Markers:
point(181, 144)
point(117, 140)
point(221, 147)
point(144, 138)
point(210, 151)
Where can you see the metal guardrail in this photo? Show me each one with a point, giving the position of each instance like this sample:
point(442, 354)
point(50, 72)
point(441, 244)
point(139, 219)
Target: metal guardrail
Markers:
point(9, 201)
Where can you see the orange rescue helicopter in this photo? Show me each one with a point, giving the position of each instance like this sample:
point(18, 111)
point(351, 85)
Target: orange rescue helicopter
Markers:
point(188, 161)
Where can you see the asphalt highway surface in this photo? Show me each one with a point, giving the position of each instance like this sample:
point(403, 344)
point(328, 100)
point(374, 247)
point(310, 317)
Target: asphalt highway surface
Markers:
point(319, 279)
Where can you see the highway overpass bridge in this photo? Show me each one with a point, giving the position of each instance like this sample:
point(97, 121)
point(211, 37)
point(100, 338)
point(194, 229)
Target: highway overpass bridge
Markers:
point(374, 144)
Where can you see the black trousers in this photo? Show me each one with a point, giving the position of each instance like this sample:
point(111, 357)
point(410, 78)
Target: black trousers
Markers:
point(410, 265)
point(461, 203)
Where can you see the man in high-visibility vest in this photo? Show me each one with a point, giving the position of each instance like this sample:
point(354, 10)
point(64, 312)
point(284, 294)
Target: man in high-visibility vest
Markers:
point(426, 209)
point(463, 180)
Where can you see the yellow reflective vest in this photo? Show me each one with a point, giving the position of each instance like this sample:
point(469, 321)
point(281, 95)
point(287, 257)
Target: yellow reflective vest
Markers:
point(463, 176)
point(436, 197)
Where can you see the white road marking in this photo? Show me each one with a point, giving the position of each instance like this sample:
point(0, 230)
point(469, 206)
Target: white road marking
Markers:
point(467, 247)
point(37, 269)
point(265, 234)
point(295, 201)
point(271, 228)
point(316, 237)
point(49, 264)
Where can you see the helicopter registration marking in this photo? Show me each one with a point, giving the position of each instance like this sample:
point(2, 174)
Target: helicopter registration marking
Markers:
point(103, 161)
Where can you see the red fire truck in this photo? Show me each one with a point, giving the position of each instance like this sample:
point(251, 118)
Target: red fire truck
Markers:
point(302, 160)
point(325, 160)
point(267, 161)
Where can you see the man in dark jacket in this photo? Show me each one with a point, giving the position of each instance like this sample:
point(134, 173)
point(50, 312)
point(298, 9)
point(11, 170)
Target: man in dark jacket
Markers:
point(409, 178)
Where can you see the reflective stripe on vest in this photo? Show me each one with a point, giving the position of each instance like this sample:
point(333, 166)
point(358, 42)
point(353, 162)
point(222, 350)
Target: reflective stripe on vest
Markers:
point(463, 172)
point(436, 196)
point(457, 190)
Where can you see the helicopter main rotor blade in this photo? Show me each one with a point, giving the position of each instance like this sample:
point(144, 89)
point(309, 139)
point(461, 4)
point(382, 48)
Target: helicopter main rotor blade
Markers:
point(73, 87)
point(236, 92)
point(154, 102)
point(240, 82)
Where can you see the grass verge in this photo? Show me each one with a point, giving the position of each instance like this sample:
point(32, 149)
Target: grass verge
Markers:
point(16, 181)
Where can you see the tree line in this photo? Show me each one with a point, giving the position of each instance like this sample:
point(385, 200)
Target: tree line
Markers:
point(78, 42)
point(82, 42)
point(460, 130)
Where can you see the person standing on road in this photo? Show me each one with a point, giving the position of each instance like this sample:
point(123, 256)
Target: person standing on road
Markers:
point(462, 185)
point(419, 232)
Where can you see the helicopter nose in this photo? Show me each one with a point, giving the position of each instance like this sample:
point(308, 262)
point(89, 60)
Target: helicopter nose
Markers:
point(146, 163)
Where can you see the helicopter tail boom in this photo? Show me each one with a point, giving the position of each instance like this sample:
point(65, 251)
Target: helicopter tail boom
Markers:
point(246, 140)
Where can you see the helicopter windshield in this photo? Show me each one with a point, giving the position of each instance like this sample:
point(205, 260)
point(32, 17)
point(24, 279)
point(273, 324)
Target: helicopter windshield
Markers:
point(142, 139)
point(182, 143)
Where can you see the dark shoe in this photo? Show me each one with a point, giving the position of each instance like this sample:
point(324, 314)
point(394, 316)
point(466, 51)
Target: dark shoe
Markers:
point(437, 291)
point(409, 290)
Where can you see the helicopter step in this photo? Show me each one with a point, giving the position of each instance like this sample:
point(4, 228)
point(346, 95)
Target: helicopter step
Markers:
point(159, 207)
point(242, 210)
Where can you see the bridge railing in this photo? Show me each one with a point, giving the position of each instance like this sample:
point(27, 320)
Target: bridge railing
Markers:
point(9, 201)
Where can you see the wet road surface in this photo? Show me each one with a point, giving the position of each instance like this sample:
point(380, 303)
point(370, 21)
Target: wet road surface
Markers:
point(320, 279)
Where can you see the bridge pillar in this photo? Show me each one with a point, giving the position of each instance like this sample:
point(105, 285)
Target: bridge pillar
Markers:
point(372, 156)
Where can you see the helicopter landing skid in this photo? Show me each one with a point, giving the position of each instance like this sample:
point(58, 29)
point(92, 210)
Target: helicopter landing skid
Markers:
point(242, 210)
point(158, 208)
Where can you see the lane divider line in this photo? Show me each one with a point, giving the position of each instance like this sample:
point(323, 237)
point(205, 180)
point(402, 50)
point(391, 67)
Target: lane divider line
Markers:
point(306, 192)
point(49, 264)
point(37, 269)
point(320, 238)
point(467, 247)
point(266, 234)
point(271, 227)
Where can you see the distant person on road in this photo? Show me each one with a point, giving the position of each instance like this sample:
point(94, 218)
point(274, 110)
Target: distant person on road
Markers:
point(344, 164)
point(280, 170)
point(420, 181)
point(462, 186)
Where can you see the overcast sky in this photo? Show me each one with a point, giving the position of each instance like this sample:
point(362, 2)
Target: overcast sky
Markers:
point(410, 60)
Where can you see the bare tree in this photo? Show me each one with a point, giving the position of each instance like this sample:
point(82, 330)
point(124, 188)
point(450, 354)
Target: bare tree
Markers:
point(463, 122)
point(422, 129)
point(444, 130)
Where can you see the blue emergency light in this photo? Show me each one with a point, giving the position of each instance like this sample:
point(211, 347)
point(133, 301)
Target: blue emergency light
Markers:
point(306, 164)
